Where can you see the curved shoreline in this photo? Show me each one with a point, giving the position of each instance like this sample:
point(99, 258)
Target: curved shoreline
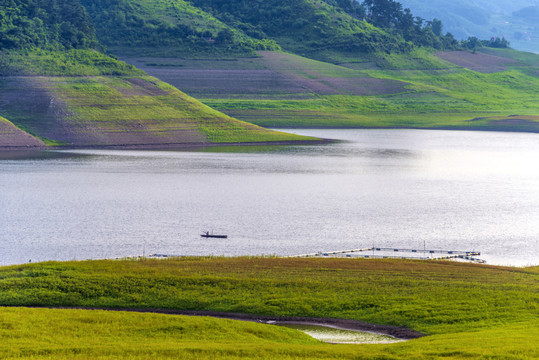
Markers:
point(168, 146)
point(399, 332)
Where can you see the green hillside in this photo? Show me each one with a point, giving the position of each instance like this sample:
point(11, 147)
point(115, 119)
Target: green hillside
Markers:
point(45, 23)
point(493, 89)
point(383, 71)
point(168, 27)
point(305, 26)
point(389, 70)
point(58, 90)
point(206, 28)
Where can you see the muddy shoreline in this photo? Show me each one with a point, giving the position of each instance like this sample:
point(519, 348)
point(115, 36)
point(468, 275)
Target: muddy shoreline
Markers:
point(166, 146)
point(399, 332)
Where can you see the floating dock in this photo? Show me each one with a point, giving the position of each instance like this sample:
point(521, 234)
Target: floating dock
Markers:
point(389, 253)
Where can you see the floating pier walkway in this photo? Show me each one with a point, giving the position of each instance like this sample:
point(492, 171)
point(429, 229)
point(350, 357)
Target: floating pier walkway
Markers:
point(407, 254)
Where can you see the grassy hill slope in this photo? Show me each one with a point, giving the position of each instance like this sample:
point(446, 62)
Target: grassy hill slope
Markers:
point(203, 28)
point(55, 86)
point(469, 311)
point(491, 90)
point(79, 334)
point(12, 136)
point(118, 111)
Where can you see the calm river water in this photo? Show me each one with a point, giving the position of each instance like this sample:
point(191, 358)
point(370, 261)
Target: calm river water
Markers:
point(453, 190)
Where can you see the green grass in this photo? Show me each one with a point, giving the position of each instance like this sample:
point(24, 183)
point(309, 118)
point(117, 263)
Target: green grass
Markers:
point(471, 311)
point(62, 63)
point(436, 94)
point(115, 102)
point(81, 334)
point(431, 297)
point(99, 100)
point(168, 28)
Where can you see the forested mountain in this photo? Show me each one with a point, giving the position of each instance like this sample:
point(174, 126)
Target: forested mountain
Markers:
point(59, 87)
point(47, 24)
point(173, 25)
point(517, 21)
point(239, 26)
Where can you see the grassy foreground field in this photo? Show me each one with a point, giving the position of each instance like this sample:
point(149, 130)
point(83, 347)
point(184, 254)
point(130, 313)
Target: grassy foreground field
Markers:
point(89, 334)
point(470, 311)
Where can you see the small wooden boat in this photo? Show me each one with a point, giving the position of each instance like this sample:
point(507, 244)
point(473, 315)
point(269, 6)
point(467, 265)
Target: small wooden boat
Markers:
point(208, 235)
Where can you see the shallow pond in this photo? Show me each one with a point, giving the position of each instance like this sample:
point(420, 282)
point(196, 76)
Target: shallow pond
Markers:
point(341, 336)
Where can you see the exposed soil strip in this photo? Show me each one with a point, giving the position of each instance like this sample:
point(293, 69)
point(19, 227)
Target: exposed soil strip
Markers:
point(173, 146)
point(399, 332)
point(481, 62)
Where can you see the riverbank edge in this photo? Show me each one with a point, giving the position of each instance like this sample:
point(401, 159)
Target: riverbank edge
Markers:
point(188, 146)
point(398, 332)
point(169, 146)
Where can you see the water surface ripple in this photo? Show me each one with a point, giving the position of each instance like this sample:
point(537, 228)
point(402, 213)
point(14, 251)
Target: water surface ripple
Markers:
point(452, 190)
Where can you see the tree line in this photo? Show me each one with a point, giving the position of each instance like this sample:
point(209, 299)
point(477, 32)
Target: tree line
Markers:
point(51, 24)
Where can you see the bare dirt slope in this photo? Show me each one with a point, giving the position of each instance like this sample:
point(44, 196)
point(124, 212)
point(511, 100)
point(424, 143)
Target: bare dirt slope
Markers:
point(13, 137)
point(92, 111)
point(273, 75)
point(128, 111)
point(481, 62)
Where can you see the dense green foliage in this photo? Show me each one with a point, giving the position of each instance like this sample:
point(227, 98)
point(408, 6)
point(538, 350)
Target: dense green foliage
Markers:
point(73, 62)
point(304, 26)
point(82, 334)
point(389, 14)
point(434, 297)
point(473, 43)
point(45, 23)
point(175, 26)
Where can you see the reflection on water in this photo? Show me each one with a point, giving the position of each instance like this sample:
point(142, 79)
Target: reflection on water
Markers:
point(407, 189)
point(34, 155)
point(340, 336)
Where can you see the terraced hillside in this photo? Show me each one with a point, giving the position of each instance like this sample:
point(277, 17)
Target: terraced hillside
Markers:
point(117, 111)
point(58, 88)
point(490, 90)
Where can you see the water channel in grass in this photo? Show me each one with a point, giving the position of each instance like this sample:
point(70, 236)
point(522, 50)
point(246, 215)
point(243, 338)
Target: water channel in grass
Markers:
point(413, 189)
point(340, 336)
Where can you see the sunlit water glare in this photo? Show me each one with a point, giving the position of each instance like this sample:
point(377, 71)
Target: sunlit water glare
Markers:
point(452, 190)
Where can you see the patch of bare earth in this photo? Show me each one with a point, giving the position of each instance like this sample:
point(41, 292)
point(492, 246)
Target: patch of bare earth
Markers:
point(13, 137)
point(141, 87)
point(309, 74)
point(476, 61)
point(35, 104)
point(358, 86)
point(273, 76)
point(29, 101)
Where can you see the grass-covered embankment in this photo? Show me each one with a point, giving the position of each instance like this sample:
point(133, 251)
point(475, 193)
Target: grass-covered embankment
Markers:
point(432, 297)
point(473, 310)
point(89, 334)
point(83, 98)
point(416, 90)
point(14, 137)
